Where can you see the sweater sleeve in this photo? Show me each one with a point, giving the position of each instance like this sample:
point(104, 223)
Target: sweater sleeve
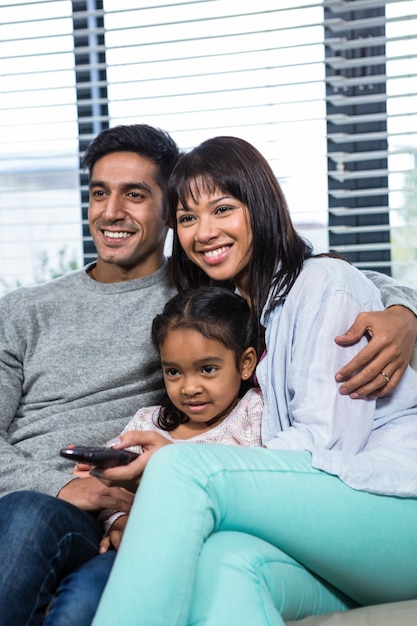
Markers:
point(17, 469)
point(392, 293)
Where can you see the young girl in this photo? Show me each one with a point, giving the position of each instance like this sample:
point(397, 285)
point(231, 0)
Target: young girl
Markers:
point(205, 339)
point(322, 517)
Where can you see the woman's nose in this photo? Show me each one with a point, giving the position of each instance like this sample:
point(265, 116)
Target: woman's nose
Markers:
point(206, 230)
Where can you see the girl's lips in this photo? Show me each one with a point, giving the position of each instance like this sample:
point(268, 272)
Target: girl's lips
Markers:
point(196, 408)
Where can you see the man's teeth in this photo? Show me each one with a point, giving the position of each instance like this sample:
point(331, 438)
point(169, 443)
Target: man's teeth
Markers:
point(217, 252)
point(119, 235)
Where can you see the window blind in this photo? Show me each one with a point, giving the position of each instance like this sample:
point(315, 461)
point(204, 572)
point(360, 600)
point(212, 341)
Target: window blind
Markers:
point(371, 77)
point(40, 221)
point(293, 79)
point(200, 69)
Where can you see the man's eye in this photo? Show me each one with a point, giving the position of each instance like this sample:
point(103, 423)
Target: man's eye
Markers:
point(136, 195)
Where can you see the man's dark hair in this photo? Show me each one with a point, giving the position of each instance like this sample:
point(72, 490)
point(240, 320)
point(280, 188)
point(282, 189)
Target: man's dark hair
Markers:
point(152, 143)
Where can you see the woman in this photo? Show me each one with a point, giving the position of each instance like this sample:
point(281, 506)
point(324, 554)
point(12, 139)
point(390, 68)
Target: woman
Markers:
point(321, 518)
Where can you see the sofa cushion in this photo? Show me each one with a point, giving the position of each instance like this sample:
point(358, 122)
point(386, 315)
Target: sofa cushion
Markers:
point(393, 614)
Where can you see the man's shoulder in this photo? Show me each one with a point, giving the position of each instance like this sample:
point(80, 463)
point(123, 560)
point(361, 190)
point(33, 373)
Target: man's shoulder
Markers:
point(42, 290)
point(158, 285)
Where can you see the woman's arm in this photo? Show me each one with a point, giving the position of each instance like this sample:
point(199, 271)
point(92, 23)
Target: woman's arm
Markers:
point(302, 399)
point(303, 407)
point(392, 337)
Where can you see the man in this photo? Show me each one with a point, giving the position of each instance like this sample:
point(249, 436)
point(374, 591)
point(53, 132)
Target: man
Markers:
point(76, 362)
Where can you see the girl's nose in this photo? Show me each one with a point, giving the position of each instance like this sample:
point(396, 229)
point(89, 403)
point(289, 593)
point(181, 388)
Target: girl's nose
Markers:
point(190, 387)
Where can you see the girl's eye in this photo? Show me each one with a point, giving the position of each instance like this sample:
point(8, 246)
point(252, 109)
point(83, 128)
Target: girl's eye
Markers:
point(171, 372)
point(209, 369)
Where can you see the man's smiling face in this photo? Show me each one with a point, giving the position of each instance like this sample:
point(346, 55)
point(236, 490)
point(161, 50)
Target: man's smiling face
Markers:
point(126, 217)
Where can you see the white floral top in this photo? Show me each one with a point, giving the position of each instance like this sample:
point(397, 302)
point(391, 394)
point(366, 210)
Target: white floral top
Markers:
point(242, 427)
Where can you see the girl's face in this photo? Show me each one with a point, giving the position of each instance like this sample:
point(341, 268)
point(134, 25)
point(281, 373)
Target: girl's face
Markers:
point(216, 235)
point(201, 376)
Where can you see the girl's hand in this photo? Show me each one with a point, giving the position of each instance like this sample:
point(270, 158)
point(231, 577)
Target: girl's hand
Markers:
point(128, 476)
point(392, 336)
point(114, 536)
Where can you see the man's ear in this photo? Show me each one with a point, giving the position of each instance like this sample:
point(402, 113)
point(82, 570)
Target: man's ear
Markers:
point(248, 362)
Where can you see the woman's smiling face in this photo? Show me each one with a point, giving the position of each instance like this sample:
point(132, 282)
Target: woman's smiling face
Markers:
point(214, 230)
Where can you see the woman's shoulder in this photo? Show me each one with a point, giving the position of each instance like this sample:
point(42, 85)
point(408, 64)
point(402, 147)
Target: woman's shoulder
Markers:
point(323, 280)
point(328, 267)
point(334, 274)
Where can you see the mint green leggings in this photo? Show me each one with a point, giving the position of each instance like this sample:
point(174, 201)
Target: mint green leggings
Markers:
point(224, 536)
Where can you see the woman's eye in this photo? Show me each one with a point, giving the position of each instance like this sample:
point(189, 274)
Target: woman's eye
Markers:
point(223, 209)
point(209, 369)
point(185, 219)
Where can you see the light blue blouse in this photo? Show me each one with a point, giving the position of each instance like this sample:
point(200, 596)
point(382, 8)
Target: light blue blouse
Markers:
point(370, 444)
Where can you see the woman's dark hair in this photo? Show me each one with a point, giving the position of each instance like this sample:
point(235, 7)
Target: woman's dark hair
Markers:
point(236, 168)
point(216, 313)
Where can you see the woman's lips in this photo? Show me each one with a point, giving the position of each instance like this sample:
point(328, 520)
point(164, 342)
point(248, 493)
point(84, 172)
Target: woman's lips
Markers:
point(214, 256)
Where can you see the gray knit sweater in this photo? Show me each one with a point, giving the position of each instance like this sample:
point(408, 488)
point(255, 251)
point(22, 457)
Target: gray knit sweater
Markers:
point(76, 363)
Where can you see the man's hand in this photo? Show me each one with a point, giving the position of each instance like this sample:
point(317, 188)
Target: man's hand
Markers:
point(378, 367)
point(128, 476)
point(91, 494)
point(82, 470)
point(114, 536)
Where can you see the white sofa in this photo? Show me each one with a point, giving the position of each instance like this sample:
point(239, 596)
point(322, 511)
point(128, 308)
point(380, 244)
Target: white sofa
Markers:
point(393, 614)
